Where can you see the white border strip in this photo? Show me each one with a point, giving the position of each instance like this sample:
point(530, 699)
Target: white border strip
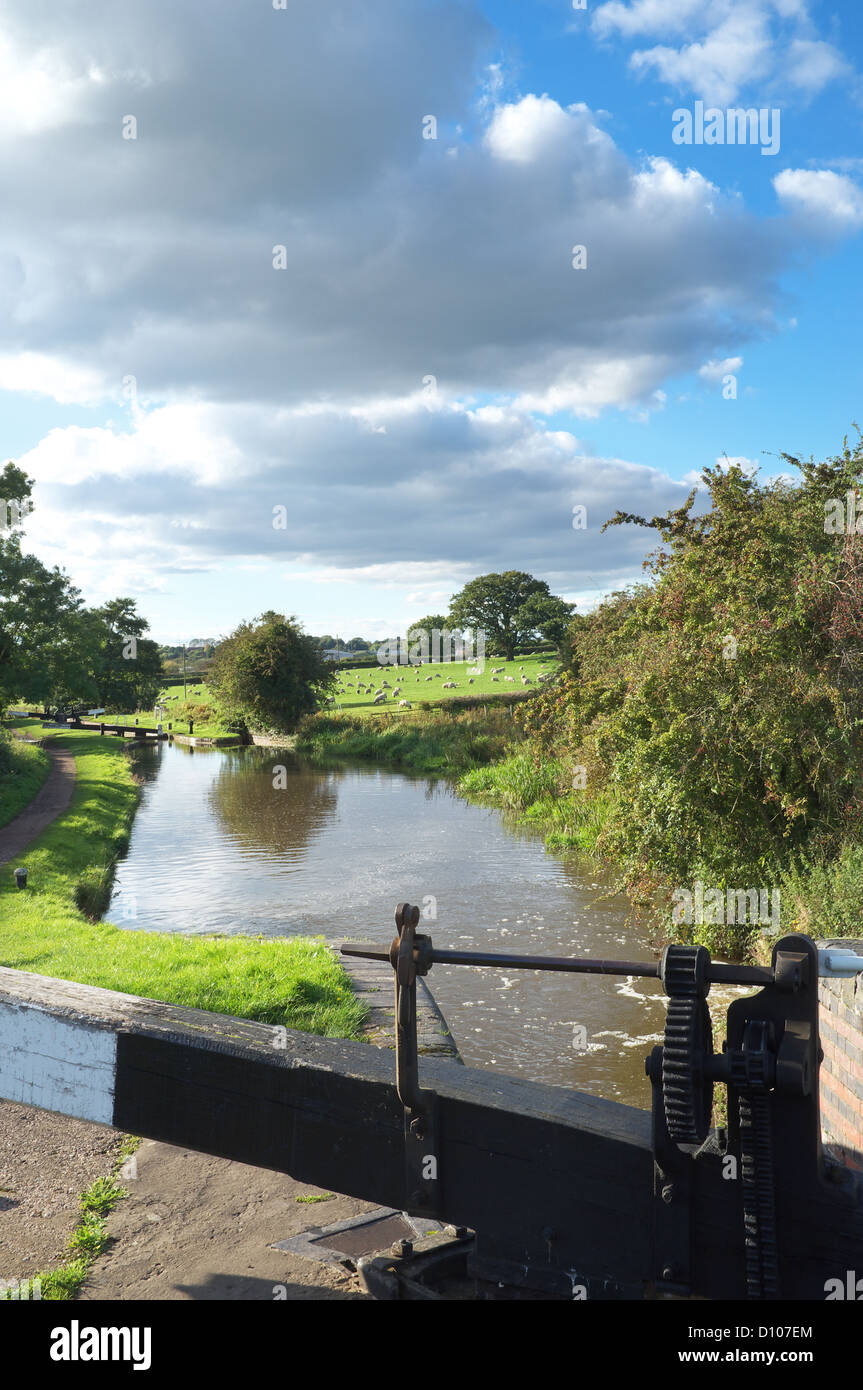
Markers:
point(55, 1064)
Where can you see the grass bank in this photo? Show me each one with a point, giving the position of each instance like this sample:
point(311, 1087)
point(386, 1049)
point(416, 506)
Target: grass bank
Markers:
point(27, 771)
point(446, 744)
point(51, 927)
point(539, 790)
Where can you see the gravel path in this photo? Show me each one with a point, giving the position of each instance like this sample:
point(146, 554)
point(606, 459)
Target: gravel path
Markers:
point(48, 803)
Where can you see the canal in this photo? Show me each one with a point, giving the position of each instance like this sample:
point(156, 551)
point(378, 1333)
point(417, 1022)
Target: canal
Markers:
point(258, 841)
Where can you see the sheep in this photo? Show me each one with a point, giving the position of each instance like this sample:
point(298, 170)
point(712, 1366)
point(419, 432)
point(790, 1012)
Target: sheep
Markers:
point(470, 680)
point(496, 679)
point(449, 685)
point(510, 678)
point(526, 680)
point(380, 699)
point(498, 670)
point(429, 678)
point(405, 704)
point(397, 691)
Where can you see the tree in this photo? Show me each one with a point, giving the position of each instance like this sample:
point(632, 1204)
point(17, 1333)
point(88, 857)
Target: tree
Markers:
point(54, 652)
point(127, 665)
point(721, 703)
point(551, 618)
point(268, 673)
point(42, 637)
point(493, 604)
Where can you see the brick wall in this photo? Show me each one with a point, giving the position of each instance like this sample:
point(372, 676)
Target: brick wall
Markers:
point(841, 1026)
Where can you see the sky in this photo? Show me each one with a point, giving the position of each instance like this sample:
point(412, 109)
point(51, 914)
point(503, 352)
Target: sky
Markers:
point(292, 314)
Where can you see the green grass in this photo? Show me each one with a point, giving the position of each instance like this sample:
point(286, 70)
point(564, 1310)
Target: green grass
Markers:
point(539, 790)
point(422, 684)
point(430, 741)
point(296, 983)
point(28, 772)
point(86, 1243)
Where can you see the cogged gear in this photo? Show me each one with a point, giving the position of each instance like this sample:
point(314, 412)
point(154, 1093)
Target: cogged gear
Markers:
point(686, 1092)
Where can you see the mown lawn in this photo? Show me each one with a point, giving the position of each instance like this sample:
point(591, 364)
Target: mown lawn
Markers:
point(29, 771)
point(46, 928)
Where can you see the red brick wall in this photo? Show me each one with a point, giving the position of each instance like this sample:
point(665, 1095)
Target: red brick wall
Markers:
point(841, 1026)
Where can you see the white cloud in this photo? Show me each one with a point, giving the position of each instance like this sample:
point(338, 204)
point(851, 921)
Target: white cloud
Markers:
point(441, 495)
point(153, 257)
point(716, 370)
point(734, 55)
point(821, 198)
point(727, 46)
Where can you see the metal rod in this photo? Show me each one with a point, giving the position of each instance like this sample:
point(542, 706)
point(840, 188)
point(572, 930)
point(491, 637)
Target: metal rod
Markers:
point(717, 973)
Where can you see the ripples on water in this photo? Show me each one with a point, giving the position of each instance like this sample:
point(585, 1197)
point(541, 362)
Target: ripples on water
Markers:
point(219, 846)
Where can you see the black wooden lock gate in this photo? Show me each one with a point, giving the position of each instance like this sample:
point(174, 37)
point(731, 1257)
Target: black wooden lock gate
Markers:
point(752, 1210)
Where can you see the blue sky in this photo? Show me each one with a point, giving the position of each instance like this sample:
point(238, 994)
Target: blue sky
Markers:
point(425, 383)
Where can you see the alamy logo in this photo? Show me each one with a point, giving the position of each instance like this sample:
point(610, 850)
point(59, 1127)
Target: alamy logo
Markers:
point(13, 512)
point(851, 1288)
point(77, 1343)
point(439, 646)
point(735, 126)
point(20, 1290)
point(726, 907)
point(843, 519)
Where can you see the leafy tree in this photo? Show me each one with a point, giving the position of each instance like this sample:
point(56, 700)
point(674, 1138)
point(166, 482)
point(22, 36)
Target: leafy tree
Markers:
point(495, 604)
point(127, 666)
point(41, 634)
point(721, 701)
point(269, 673)
point(54, 652)
point(551, 617)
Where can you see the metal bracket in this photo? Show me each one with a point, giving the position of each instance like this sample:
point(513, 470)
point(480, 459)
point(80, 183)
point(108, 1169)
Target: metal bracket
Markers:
point(410, 956)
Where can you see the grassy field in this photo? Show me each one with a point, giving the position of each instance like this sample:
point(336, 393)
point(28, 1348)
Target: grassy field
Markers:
point(419, 685)
point(29, 770)
point(48, 928)
point(356, 691)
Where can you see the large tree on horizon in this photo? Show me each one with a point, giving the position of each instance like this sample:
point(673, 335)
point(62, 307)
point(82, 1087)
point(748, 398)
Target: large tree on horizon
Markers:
point(510, 608)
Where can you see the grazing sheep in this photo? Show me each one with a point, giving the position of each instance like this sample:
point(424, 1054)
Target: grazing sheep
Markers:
point(498, 670)
point(496, 678)
point(526, 680)
point(510, 678)
point(449, 685)
point(380, 699)
point(470, 680)
point(397, 691)
point(429, 678)
point(405, 704)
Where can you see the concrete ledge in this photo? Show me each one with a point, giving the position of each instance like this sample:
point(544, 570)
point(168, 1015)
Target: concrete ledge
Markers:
point(372, 982)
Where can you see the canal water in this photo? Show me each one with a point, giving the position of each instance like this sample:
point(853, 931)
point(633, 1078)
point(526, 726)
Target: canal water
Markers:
point(257, 841)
